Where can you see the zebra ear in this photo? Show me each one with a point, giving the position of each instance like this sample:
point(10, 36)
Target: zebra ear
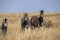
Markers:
point(3, 20)
point(25, 14)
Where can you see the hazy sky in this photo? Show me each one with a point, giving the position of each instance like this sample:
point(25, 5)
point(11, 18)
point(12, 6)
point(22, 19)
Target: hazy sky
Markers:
point(29, 5)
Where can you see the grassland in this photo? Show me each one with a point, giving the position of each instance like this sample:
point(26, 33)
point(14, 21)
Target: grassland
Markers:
point(44, 33)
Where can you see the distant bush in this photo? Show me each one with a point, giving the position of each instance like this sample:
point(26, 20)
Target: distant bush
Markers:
point(48, 23)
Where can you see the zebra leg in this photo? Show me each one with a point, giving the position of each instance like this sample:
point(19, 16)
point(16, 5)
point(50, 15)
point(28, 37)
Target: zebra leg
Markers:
point(31, 26)
point(23, 29)
point(2, 30)
point(27, 27)
point(5, 30)
point(34, 26)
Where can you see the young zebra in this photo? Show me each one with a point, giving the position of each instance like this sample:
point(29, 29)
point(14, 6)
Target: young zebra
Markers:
point(25, 22)
point(4, 26)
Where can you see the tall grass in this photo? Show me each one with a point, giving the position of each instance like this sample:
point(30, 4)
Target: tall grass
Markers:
point(14, 29)
point(36, 34)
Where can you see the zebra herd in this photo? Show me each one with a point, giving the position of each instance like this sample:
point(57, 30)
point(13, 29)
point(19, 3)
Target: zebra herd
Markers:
point(35, 21)
point(25, 22)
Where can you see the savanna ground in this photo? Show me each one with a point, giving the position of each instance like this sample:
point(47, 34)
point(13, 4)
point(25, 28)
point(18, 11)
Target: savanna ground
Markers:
point(50, 30)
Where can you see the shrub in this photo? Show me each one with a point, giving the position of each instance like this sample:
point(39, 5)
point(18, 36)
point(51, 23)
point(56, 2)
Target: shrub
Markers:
point(48, 24)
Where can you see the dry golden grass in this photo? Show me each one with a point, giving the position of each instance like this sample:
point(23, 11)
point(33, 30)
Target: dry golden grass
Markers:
point(44, 33)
